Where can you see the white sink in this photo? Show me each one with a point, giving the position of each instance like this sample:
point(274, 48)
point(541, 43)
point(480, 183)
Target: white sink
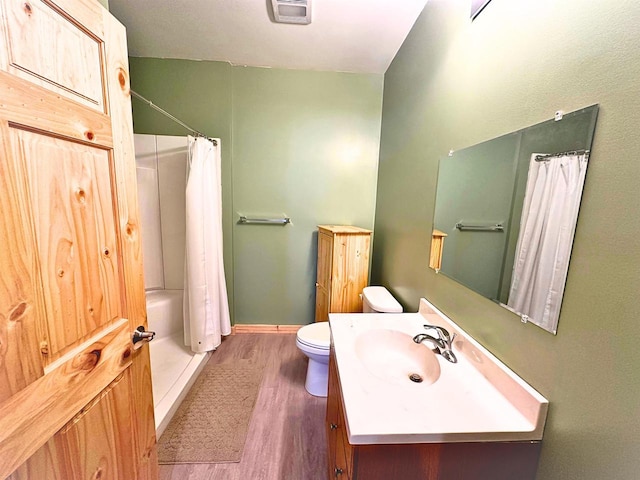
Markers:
point(393, 356)
point(477, 399)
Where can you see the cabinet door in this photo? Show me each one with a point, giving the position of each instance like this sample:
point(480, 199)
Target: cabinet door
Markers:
point(332, 422)
point(350, 273)
point(344, 450)
point(323, 277)
point(340, 451)
point(75, 397)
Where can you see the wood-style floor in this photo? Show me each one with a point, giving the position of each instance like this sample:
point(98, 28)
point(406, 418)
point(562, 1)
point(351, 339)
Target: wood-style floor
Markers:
point(286, 438)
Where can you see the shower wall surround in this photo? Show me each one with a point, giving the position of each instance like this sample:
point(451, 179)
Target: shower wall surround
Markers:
point(161, 168)
point(299, 143)
point(149, 201)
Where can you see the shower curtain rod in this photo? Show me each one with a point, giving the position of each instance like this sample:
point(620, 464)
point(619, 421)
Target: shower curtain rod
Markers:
point(168, 115)
point(540, 158)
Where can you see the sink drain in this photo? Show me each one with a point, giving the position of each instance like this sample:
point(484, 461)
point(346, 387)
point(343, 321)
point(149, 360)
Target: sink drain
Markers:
point(414, 377)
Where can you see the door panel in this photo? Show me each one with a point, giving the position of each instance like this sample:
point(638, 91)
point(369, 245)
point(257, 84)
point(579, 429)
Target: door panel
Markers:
point(46, 47)
point(30, 417)
point(87, 444)
point(75, 396)
point(95, 448)
point(20, 358)
point(74, 223)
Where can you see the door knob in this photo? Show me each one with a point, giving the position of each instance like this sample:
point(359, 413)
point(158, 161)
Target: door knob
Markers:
point(141, 335)
point(338, 471)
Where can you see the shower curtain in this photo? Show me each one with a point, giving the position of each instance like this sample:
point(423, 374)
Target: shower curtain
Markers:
point(550, 210)
point(206, 308)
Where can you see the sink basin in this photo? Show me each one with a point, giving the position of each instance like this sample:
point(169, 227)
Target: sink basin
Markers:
point(393, 356)
point(478, 399)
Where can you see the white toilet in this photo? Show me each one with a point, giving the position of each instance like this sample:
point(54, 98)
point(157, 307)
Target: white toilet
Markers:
point(379, 300)
point(314, 339)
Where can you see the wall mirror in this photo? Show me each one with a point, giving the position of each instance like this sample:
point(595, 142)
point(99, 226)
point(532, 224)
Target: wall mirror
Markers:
point(506, 212)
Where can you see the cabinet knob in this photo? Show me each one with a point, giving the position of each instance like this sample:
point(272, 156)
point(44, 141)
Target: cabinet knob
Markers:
point(333, 426)
point(317, 284)
point(338, 471)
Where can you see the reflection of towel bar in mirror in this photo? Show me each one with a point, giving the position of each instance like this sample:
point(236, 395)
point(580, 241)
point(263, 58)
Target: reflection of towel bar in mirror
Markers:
point(496, 227)
point(264, 221)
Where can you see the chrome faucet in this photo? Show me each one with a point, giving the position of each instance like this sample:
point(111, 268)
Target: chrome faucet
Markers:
point(442, 344)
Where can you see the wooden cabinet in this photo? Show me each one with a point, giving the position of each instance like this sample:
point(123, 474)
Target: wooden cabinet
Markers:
point(343, 269)
point(420, 461)
point(437, 246)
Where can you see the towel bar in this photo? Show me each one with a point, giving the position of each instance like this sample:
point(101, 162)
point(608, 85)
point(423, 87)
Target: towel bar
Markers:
point(264, 221)
point(496, 227)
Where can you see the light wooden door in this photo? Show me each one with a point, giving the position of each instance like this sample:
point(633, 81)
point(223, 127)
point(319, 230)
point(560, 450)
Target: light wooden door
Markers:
point(75, 395)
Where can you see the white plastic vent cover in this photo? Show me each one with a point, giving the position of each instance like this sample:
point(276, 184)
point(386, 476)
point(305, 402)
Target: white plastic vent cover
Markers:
point(292, 11)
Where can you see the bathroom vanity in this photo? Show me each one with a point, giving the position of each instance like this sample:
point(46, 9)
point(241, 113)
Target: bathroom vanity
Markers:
point(474, 419)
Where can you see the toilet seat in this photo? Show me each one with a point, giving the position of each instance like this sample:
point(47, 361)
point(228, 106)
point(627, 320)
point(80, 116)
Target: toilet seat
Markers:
point(315, 335)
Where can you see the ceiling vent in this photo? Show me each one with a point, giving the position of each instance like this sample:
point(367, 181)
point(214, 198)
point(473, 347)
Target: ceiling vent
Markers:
point(292, 11)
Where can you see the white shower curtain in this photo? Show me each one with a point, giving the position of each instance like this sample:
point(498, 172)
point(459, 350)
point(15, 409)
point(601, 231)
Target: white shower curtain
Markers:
point(206, 308)
point(550, 210)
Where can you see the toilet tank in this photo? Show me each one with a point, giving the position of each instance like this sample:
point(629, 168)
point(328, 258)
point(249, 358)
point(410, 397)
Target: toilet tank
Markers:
point(379, 300)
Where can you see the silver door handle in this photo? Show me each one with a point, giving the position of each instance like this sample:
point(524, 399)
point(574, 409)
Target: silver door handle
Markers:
point(141, 335)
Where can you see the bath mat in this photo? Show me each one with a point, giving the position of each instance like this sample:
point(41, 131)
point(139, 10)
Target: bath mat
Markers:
point(211, 424)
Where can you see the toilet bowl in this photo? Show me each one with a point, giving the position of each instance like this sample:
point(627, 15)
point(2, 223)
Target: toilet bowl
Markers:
point(314, 339)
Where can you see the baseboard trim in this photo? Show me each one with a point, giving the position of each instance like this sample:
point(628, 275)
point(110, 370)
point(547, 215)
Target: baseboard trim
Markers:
point(257, 328)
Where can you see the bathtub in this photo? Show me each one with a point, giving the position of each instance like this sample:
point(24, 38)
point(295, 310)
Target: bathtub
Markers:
point(174, 367)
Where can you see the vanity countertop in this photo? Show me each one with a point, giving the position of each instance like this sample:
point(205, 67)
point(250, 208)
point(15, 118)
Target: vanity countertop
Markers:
point(477, 399)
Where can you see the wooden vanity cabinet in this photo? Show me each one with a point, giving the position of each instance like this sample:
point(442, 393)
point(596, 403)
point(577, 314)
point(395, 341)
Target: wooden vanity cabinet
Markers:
point(343, 269)
point(340, 450)
point(420, 461)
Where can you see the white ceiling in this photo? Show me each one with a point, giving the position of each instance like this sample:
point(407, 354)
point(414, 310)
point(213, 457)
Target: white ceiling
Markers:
point(344, 35)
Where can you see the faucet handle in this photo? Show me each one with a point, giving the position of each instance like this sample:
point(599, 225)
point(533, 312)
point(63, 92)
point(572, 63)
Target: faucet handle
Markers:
point(442, 332)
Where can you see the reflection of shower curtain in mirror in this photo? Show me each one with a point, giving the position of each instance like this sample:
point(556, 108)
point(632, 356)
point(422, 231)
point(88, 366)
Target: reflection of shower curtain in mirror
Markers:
point(206, 308)
point(550, 210)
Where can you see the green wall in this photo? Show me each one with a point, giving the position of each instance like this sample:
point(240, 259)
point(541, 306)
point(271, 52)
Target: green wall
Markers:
point(455, 83)
point(299, 143)
point(305, 144)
